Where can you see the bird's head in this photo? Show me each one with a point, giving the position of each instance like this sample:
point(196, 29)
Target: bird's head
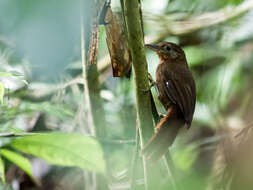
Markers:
point(168, 51)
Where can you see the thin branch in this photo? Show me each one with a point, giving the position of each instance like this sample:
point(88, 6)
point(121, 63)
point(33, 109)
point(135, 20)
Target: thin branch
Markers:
point(195, 23)
point(135, 160)
point(172, 170)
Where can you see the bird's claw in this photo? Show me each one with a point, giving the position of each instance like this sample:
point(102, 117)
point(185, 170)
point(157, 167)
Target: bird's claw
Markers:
point(150, 78)
point(152, 83)
point(148, 89)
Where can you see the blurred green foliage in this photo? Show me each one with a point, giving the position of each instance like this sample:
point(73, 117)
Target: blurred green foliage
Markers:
point(197, 6)
point(40, 90)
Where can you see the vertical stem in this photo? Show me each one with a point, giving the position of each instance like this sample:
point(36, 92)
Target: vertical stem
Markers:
point(136, 45)
point(92, 92)
point(96, 113)
point(171, 170)
point(135, 160)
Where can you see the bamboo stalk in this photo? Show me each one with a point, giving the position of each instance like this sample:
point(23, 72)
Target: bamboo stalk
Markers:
point(131, 10)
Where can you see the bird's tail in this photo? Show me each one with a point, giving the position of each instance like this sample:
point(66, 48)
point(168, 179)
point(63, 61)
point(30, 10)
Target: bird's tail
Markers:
point(166, 132)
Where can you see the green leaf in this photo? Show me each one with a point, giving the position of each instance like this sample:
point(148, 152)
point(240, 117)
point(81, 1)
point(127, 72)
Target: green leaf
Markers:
point(57, 110)
point(11, 74)
point(228, 82)
point(7, 128)
point(204, 114)
point(1, 93)
point(185, 157)
point(6, 186)
point(6, 74)
point(64, 149)
point(17, 159)
point(14, 74)
point(221, 83)
point(2, 175)
point(198, 55)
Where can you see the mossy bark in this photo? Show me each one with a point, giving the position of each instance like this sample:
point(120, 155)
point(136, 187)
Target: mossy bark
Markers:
point(131, 9)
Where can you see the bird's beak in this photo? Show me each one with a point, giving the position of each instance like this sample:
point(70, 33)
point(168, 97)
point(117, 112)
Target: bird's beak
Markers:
point(152, 47)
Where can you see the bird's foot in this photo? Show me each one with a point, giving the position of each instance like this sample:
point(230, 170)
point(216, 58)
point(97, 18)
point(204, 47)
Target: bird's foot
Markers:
point(148, 89)
point(151, 79)
point(152, 83)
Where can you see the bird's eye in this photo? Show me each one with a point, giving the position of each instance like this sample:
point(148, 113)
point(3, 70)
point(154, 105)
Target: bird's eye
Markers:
point(168, 48)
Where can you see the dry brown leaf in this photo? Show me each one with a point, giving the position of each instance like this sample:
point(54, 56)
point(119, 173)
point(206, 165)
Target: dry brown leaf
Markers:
point(117, 44)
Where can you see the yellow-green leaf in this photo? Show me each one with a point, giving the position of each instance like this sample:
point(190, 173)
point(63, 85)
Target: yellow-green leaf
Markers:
point(64, 149)
point(2, 175)
point(1, 92)
point(17, 159)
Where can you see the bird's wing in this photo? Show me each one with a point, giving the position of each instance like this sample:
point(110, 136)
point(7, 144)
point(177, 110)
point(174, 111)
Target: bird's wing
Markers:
point(181, 91)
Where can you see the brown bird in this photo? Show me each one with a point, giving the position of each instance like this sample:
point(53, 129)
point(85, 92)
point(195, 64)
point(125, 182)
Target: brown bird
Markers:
point(177, 92)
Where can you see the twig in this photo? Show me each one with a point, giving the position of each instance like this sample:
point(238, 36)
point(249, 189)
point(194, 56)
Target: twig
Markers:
point(172, 170)
point(135, 160)
point(195, 23)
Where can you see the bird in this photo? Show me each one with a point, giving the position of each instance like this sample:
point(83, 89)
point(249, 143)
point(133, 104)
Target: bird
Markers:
point(177, 93)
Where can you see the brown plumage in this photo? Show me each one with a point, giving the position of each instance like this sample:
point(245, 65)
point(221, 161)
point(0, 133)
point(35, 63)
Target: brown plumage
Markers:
point(177, 93)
